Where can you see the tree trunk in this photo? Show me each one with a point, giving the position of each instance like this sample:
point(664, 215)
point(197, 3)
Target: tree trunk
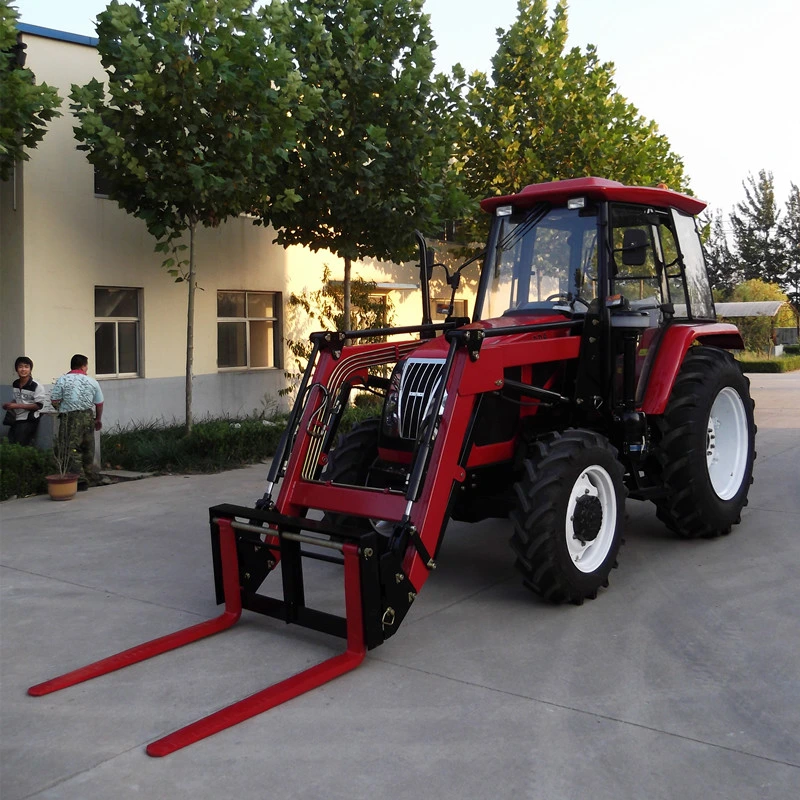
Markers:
point(346, 291)
point(190, 331)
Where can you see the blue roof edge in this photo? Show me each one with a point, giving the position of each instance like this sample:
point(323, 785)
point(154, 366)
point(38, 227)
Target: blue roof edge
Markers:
point(51, 33)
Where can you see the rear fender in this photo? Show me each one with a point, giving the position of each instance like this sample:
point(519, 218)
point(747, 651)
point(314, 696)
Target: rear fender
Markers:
point(676, 342)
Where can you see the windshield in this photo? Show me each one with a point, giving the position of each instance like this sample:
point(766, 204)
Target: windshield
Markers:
point(545, 257)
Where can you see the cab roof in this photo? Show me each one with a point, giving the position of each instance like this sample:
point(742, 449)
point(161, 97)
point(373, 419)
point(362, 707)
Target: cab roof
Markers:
point(558, 192)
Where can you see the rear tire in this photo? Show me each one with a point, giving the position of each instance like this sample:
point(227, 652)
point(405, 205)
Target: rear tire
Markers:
point(568, 520)
point(706, 447)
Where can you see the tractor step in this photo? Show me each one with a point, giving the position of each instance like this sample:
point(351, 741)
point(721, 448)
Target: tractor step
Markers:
point(228, 563)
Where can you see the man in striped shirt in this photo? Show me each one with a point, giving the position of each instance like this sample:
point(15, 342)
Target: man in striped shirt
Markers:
point(79, 401)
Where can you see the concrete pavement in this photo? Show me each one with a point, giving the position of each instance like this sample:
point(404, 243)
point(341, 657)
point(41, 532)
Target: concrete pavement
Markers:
point(682, 680)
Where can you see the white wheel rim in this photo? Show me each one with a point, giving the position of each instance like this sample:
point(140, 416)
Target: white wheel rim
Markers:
point(727, 443)
point(594, 481)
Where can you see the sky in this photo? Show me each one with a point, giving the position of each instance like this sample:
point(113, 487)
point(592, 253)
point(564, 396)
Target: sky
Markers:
point(719, 77)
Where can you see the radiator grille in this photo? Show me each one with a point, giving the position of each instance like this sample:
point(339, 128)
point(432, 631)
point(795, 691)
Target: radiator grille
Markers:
point(416, 390)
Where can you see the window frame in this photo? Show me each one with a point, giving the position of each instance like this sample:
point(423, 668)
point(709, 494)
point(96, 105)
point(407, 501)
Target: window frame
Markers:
point(116, 320)
point(275, 320)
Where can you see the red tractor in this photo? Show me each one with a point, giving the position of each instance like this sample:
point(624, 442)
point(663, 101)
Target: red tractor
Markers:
point(592, 369)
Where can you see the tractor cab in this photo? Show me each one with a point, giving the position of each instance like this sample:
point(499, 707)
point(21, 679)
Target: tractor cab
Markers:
point(564, 245)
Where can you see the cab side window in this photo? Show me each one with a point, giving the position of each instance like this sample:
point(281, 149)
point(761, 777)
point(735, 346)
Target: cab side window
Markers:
point(634, 262)
point(698, 290)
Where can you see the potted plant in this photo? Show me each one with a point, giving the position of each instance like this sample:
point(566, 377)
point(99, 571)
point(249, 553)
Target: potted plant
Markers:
point(62, 484)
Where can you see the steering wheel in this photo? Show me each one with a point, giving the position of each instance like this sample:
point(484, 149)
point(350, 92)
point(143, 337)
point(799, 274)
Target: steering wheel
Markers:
point(557, 296)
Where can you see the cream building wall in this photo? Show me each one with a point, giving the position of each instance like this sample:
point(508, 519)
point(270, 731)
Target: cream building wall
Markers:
point(60, 241)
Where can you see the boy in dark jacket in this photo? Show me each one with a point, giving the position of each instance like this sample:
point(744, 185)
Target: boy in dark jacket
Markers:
point(28, 400)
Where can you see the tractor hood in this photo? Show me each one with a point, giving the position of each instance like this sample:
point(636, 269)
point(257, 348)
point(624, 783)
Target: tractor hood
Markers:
point(437, 348)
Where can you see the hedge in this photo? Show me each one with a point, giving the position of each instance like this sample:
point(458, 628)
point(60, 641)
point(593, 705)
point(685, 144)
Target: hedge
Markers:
point(213, 445)
point(22, 470)
point(780, 364)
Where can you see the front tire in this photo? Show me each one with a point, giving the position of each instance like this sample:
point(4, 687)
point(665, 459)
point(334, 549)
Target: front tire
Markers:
point(349, 463)
point(706, 448)
point(568, 520)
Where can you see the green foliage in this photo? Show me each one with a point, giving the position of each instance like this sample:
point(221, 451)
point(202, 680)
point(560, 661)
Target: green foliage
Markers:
point(356, 414)
point(551, 113)
point(763, 244)
point(324, 309)
point(26, 106)
point(200, 104)
point(755, 290)
point(65, 456)
point(23, 470)
point(786, 318)
point(792, 349)
point(753, 363)
point(789, 239)
point(211, 446)
point(368, 402)
point(754, 223)
point(724, 271)
point(370, 165)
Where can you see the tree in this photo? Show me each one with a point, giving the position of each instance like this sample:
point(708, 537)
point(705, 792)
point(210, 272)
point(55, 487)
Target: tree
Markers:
point(754, 224)
point(324, 310)
point(26, 106)
point(789, 238)
point(200, 104)
point(369, 167)
point(548, 113)
point(723, 268)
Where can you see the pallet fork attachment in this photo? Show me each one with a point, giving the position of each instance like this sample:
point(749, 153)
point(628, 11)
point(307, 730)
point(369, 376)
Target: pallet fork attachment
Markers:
point(260, 701)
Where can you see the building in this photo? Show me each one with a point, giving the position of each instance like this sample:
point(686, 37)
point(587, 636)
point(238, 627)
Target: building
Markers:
point(79, 275)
